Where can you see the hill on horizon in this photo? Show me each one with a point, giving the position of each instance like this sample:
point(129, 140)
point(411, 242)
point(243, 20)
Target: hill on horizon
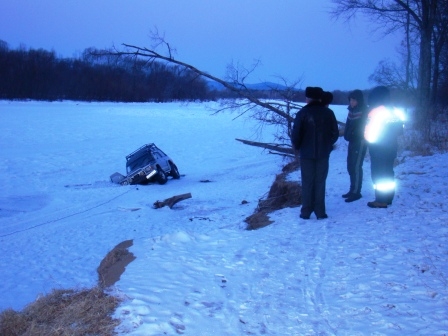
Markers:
point(262, 86)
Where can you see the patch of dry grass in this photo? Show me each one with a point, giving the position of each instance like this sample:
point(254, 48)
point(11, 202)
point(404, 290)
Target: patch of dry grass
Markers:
point(63, 313)
point(67, 312)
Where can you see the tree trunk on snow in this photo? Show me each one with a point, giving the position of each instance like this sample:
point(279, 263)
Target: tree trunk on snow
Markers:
point(171, 201)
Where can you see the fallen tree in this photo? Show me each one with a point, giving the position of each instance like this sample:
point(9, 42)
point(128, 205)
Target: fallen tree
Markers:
point(288, 151)
point(279, 111)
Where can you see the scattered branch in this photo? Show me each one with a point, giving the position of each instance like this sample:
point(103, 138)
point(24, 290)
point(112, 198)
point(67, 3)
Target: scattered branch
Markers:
point(171, 201)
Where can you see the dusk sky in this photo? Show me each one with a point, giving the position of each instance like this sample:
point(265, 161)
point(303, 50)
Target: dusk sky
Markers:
point(293, 39)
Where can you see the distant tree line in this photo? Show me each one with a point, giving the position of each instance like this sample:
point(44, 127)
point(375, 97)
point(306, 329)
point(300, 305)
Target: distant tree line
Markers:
point(38, 74)
point(96, 75)
point(41, 75)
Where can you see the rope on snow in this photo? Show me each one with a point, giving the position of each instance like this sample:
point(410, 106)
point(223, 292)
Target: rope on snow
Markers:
point(65, 217)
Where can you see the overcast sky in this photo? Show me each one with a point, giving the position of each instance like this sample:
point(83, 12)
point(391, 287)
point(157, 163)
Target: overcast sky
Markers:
point(293, 39)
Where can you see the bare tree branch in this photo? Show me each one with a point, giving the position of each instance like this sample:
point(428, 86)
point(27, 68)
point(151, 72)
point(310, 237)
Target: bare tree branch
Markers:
point(277, 112)
point(238, 88)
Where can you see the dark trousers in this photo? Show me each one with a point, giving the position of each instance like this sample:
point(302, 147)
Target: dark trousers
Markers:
point(382, 169)
point(314, 176)
point(355, 159)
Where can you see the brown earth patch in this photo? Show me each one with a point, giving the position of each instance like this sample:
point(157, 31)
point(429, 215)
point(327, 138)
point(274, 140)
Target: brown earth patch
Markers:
point(114, 264)
point(282, 194)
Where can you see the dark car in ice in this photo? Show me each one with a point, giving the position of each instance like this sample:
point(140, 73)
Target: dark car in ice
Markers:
point(147, 164)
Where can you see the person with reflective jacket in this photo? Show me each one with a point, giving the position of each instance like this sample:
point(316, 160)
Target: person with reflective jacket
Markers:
point(357, 146)
point(384, 125)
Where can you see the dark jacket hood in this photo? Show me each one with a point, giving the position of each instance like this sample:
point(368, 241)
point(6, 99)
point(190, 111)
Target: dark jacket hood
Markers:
point(379, 96)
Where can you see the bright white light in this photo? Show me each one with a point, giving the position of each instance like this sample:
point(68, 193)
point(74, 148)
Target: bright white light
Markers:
point(385, 186)
point(375, 124)
point(378, 119)
point(399, 112)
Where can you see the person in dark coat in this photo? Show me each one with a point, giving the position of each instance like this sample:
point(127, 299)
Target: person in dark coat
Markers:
point(357, 145)
point(383, 127)
point(313, 135)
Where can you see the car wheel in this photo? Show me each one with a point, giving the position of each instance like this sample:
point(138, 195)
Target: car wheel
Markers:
point(174, 171)
point(161, 176)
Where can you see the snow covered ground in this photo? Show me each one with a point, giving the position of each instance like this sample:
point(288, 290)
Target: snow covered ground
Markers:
point(362, 271)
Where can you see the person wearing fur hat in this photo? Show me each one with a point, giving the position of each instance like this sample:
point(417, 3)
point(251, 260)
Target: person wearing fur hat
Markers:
point(327, 98)
point(357, 145)
point(314, 133)
point(384, 125)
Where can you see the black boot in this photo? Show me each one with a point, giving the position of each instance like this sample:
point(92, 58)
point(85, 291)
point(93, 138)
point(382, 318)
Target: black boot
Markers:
point(353, 197)
point(376, 204)
point(347, 194)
